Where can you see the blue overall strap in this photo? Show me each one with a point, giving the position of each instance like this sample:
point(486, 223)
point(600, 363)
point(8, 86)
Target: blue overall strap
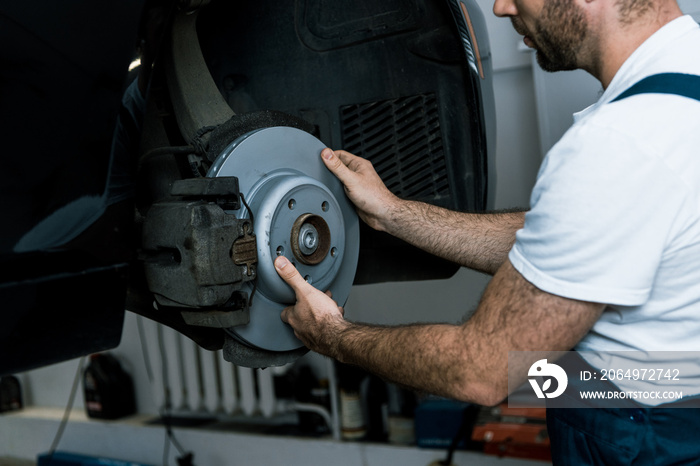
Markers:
point(686, 85)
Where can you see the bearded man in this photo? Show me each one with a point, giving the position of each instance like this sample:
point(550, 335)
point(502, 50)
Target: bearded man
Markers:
point(606, 259)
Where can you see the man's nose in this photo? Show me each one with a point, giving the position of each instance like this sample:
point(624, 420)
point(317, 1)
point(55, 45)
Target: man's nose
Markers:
point(502, 8)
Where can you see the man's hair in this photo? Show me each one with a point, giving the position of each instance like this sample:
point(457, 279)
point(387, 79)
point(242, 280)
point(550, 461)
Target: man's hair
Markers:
point(630, 10)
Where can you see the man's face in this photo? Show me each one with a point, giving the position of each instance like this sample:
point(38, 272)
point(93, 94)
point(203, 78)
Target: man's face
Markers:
point(556, 31)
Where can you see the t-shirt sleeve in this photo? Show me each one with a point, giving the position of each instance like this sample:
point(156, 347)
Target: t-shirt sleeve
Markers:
point(601, 214)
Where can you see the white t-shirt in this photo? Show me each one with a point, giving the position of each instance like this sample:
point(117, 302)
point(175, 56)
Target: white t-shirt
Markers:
point(615, 212)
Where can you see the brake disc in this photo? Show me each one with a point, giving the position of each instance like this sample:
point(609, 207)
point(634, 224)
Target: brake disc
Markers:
point(299, 210)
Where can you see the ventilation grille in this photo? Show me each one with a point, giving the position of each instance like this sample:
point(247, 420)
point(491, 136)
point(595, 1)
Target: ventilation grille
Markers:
point(402, 139)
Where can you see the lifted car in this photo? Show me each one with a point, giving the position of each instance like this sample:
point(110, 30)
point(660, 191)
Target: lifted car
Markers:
point(169, 191)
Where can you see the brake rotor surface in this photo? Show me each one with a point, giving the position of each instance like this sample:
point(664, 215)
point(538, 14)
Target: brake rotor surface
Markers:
point(299, 210)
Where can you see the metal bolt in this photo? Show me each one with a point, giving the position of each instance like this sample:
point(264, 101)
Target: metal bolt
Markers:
point(308, 239)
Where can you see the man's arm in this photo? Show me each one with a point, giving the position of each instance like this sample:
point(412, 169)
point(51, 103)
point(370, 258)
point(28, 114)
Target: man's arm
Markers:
point(467, 362)
point(477, 241)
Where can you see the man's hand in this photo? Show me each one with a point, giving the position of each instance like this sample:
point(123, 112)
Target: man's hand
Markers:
point(366, 190)
point(317, 320)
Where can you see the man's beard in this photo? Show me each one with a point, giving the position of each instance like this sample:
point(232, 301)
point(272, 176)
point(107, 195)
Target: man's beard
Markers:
point(559, 34)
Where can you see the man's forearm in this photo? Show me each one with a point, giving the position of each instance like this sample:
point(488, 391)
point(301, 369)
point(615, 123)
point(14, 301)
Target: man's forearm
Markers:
point(470, 361)
point(479, 241)
point(431, 358)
